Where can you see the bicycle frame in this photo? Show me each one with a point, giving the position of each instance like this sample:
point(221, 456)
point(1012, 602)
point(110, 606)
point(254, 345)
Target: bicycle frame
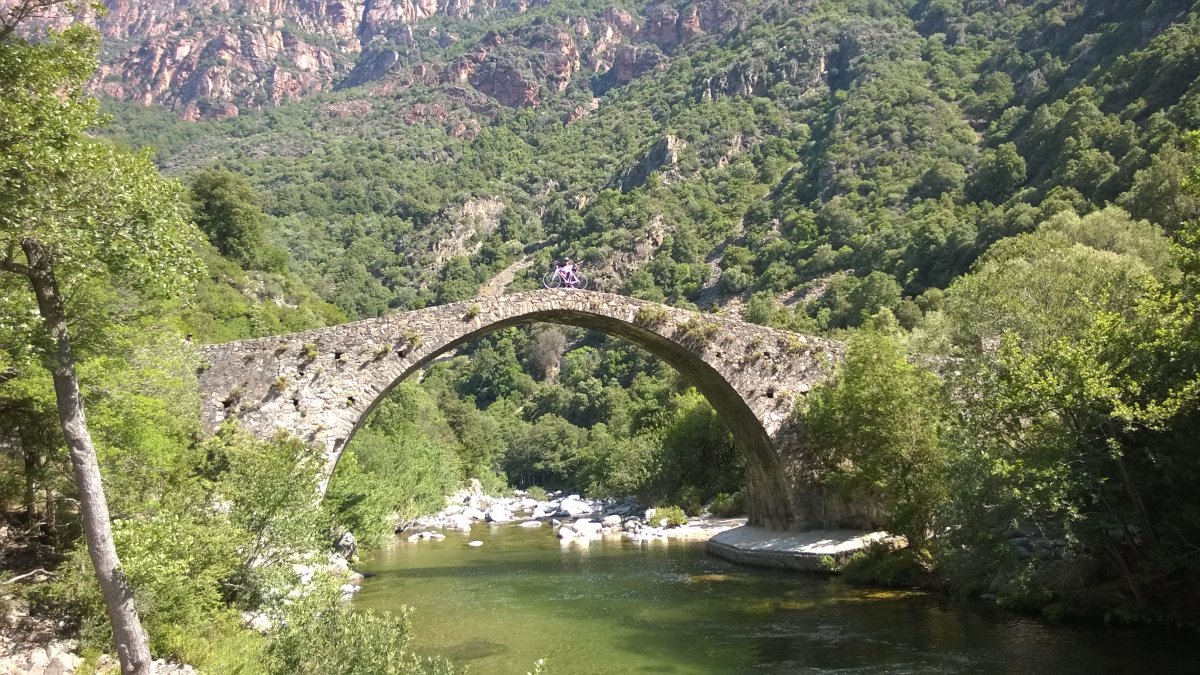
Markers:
point(568, 278)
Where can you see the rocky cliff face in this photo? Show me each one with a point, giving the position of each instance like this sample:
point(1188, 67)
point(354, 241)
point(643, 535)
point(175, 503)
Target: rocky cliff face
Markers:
point(218, 58)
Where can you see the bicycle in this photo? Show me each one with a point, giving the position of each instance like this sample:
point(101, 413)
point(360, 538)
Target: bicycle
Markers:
point(560, 278)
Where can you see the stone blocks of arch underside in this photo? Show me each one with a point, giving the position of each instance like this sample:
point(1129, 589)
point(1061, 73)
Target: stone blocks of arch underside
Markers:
point(320, 384)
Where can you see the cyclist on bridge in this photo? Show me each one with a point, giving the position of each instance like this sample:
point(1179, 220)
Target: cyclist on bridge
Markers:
point(566, 275)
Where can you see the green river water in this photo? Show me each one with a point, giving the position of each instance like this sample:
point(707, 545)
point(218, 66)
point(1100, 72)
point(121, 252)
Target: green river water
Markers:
point(615, 606)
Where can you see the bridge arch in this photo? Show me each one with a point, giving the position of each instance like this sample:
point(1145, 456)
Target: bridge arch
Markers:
point(321, 384)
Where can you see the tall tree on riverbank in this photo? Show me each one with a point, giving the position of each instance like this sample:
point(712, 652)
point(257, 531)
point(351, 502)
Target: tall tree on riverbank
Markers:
point(74, 209)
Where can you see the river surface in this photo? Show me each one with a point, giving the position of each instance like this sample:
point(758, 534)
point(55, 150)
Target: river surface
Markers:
point(621, 607)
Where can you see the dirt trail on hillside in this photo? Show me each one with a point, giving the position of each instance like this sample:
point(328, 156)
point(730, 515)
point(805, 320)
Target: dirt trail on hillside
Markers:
point(496, 285)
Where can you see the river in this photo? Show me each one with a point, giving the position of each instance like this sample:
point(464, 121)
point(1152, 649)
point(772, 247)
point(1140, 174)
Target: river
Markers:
point(622, 607)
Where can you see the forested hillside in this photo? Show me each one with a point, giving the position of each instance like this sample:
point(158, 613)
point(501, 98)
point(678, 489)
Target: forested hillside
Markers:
point(1005, 189)
point(807, 165)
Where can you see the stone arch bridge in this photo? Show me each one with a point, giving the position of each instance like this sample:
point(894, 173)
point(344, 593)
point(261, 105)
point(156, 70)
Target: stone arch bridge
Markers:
point(321, 384)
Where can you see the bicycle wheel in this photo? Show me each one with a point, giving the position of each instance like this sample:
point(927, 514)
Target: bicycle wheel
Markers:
point(552, 280)
point(581, 282)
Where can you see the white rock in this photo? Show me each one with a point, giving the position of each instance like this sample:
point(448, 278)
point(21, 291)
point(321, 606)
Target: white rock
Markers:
point(257, 621)
point(474, 514)
point(650, 513)
point(459, 522)
point(349, 589)
point(565, 532)
point(414, 537)
point(475, 544)
point(575, 507)
point(499, 514)
point(611, 521)
point(532, 523)
point(587, 528)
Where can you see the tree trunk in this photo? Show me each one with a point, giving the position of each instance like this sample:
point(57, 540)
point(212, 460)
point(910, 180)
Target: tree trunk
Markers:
point(31, 472)
point(132, 647)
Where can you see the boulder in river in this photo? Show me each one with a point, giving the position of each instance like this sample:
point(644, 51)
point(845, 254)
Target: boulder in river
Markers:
point(475, 544)
point(587, 528)
point(574, 507)
point(611, 521)
point(499, 514)
point(459, 522)
point(531, 523)
point(566, 532)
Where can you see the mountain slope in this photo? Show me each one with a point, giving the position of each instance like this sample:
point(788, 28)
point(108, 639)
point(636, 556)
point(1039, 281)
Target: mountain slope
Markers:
point(884, 143)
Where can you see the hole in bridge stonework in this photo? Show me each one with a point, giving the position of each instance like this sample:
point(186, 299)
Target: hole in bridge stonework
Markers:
point(300, 373)
point(771, 392)
point(337, 356)
point(296, 403)
point(349, 400)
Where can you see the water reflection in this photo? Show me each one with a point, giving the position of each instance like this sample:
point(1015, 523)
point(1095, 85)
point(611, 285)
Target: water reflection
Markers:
point(623, 607)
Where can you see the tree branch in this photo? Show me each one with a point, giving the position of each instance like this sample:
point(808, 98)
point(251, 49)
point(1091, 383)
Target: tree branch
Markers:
point(10, 264)
point(23, 11)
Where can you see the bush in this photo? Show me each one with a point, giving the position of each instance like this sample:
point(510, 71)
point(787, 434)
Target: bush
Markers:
point(698, 331)
point(649, 316)
point(320, 634)
point(726, 505)
point(688, 498)
point(537, 493)
point(178, 566)
point(882, 565)
point(674, 515)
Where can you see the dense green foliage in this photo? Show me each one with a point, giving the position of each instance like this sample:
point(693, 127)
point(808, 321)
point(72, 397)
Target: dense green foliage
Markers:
point(321, 634)
point(1004, 190)
point(880, 426)
point(1056, 470)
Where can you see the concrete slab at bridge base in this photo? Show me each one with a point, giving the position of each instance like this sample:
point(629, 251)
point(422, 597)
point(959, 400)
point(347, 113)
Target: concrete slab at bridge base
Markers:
point(811, 551)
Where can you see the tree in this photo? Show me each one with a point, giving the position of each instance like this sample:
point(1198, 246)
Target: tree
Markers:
point(226, 209)
point(879, 425)
point(1000, 173)
point(74, 208)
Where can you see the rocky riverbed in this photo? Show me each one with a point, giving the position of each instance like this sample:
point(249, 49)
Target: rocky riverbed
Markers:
point(572, 518)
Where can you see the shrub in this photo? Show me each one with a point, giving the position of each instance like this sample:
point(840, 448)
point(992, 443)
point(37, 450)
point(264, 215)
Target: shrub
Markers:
point(321, 634)
point(688, 498)
point(649, 316)
point(727, 505)
point(674, 515)
point(177, 565)
point(309, 351)
point(882, 565)
point(698, 331)
point(536, 492)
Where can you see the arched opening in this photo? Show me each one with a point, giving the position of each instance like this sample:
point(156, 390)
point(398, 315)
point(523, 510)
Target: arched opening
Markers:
point(766, 492)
